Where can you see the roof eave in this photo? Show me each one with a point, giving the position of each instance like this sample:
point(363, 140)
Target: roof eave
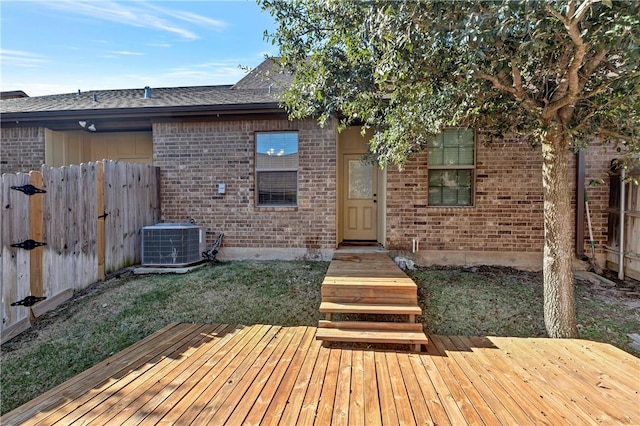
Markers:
point(143, 112)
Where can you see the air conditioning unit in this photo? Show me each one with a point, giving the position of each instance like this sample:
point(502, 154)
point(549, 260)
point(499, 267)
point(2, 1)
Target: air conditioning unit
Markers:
point(172, 244)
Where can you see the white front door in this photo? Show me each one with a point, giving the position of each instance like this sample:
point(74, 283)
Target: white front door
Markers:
point(360, 208)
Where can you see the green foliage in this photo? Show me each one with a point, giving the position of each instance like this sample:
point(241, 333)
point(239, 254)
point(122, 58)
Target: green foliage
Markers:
point(409, 68)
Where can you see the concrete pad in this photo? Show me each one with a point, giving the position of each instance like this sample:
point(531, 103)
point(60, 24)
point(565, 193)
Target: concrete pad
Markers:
point(158, 270)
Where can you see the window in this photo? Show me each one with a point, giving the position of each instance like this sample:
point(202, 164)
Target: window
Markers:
point(452, 168)
point(277, 169)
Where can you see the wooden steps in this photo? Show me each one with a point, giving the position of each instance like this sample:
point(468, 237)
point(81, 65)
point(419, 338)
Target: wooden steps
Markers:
point(372, 284)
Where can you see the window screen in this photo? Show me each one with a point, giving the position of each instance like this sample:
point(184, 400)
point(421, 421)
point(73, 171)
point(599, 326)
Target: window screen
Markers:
point(277, 169)
point(452, 168)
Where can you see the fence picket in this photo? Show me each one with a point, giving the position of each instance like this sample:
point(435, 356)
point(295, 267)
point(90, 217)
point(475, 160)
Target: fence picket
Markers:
point(36, 202)
point(15, 261)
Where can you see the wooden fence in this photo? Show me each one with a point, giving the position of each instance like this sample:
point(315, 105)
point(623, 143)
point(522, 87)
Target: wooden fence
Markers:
point(90, 220)
point(631, 244)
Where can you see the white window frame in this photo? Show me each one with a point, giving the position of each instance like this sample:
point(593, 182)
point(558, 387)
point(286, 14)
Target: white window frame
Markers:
point(455, 167)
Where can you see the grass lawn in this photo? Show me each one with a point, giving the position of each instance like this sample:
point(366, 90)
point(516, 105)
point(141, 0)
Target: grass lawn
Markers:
point(110, 316)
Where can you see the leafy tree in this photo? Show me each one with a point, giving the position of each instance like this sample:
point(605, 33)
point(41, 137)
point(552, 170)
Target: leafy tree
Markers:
point(561, 74)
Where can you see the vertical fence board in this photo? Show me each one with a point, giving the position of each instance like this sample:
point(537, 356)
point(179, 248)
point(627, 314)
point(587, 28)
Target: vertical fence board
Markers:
point(15, 262)
point(90, 248)
point(632, 263)
point(128, 213)
point(36, 201)
point(126, 188)
point(100, 210)
point(52, 228)
point(71, 225)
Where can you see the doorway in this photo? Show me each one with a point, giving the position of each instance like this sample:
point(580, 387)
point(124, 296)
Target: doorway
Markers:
point(360, 199)
point(361, 196)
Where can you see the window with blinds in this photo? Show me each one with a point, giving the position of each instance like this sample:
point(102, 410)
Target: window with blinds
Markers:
point(277, 169)
point(452, 168)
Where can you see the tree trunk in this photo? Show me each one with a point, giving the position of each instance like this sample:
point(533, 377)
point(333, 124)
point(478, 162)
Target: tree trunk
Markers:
point(559, 299)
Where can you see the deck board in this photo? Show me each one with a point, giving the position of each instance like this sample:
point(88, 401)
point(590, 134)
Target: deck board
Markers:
point(262, 374)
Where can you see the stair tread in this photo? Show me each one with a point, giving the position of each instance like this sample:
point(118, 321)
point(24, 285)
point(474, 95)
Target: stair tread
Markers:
point(371, 282)
point(371, 336)
point(370, 325)
point(371, 308)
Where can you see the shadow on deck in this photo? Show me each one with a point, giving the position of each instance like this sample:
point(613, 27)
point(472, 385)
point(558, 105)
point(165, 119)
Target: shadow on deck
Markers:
point(262, 374)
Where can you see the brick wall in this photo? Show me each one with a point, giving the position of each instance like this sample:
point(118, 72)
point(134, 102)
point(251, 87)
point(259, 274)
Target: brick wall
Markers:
point(21, 149)
point(195, 157)
point(507, 215)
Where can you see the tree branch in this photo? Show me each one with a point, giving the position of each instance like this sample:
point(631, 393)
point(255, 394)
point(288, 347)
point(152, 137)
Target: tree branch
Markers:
point(520, 96)
point(497, 84)
point(517, 80)
point(614, 135)
point(557, 14)
point(591, 66)
point(572, 77)
point(581, 12)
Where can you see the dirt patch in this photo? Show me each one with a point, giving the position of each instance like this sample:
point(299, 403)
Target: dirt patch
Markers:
point(622, 293)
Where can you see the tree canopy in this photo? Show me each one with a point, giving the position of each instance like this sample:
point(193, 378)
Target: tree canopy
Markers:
point(560, 74)
point(409, 68)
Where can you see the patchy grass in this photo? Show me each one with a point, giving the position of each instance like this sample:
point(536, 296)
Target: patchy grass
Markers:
point(110, 316)
point(508, 302)
point(480, 301)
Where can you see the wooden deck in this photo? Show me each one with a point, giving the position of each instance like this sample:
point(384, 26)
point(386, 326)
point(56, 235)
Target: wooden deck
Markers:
point(219, 374)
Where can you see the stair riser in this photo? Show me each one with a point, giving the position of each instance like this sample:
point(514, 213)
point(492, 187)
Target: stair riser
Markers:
point(370, 300)
point(347, 310)
point(369, 325)
point(380, 293)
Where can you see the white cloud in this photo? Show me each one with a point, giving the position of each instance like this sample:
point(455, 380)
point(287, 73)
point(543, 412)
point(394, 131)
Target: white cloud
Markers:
point(22, 59)
point(127, 53)
point(191, 17)
point(138, 14)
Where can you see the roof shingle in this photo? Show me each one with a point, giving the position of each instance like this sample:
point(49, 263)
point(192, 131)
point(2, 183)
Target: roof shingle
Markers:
point(257, 87)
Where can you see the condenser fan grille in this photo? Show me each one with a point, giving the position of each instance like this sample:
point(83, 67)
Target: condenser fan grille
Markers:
point(171, 244)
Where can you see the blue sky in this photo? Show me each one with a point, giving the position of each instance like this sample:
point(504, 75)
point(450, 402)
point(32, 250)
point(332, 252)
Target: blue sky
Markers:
point(60, 46)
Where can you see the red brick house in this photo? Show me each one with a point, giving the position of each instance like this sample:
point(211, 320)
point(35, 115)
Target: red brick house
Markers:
point(231, 160)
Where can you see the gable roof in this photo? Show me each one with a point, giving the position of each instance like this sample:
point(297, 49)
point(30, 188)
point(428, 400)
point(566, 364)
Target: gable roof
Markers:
point(13, 94)
point(268, 75)
point(252, 95)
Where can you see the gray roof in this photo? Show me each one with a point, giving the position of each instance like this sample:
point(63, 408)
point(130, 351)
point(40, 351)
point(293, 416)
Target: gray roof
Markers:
point(269, 74)
point(134, 98)
point(257, 88)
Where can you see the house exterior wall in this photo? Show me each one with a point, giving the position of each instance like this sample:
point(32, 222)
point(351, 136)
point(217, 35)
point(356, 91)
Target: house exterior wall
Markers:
point(21, 149)
point(505, 225)
point(195, 157)
point(63, 148)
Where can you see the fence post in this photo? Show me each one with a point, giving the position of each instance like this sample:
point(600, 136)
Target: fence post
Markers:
point(101, 218)
point(36, 233)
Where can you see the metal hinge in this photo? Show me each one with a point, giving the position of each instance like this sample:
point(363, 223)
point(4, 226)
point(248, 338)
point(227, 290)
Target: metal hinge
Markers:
point(29, 189)
point(28, 244)
point(28, 301)
point(103, 215)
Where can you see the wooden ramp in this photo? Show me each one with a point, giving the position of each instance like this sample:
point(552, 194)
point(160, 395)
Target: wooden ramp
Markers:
point(369, 283)
point(194, 374)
